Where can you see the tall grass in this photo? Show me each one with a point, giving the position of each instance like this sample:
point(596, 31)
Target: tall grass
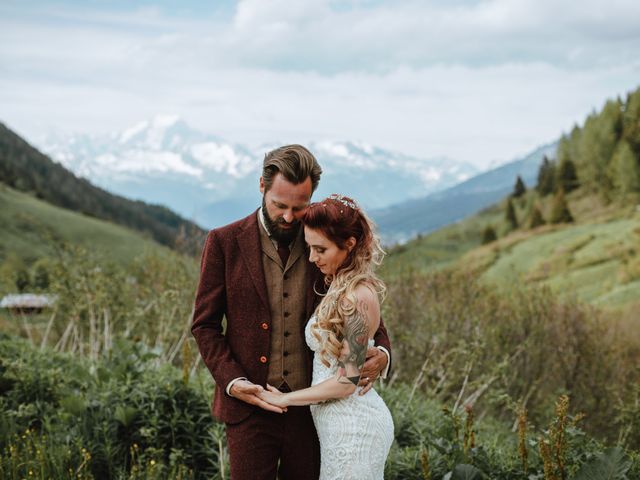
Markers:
point(465, 344)
point(468, 361)
point(98, 301)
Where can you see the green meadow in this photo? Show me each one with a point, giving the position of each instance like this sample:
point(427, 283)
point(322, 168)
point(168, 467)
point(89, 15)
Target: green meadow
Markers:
point(32, 228)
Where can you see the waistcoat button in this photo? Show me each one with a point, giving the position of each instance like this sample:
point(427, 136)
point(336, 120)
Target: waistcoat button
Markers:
point(263, 359)
point(265, 326)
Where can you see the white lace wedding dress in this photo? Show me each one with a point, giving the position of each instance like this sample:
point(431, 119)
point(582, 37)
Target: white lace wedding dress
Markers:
point(355, 432)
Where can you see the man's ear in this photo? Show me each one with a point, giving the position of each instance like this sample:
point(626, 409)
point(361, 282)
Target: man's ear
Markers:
point(350, 243)
point(262, 185)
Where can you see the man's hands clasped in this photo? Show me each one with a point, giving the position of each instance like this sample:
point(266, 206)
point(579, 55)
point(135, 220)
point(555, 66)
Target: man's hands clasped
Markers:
point(273, 400)
point(250, 393)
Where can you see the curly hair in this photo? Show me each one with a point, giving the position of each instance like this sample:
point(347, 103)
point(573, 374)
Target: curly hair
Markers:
point(339, 218)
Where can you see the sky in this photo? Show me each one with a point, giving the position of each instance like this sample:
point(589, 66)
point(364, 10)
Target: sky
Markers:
point(477, 81)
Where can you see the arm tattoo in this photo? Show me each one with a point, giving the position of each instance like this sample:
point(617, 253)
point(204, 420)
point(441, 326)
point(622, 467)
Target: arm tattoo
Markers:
point(355, 344)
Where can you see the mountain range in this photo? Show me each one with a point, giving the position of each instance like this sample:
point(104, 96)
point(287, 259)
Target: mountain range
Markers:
point(398, 223)
point(212, 181)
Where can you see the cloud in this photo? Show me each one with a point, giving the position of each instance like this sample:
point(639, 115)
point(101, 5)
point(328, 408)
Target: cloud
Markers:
point(478, 81)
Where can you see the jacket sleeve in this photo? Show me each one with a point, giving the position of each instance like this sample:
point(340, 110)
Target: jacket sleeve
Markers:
point(210, 307)
point(381, 339)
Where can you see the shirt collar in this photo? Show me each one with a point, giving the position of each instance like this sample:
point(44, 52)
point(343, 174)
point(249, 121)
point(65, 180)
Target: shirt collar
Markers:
point(262, 222)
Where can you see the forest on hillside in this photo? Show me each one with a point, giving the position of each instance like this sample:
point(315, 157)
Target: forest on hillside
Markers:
point(26, 169)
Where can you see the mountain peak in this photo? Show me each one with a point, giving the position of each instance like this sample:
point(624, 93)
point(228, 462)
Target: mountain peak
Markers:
point(160, 132)
point(165, 120)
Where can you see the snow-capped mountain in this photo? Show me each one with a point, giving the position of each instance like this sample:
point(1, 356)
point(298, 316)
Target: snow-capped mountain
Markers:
point(212, 181)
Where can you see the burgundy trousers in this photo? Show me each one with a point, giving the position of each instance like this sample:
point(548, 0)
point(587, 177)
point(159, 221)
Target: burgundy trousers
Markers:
point(267, 444)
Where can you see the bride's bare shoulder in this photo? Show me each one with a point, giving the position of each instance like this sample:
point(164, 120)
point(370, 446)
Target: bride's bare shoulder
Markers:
point(368, 303)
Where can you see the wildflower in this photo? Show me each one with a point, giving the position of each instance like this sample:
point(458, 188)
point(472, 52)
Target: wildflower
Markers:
point(545, 453)
point(469, 439)
point(424, 460)
point(152, 462)
point(522, 437)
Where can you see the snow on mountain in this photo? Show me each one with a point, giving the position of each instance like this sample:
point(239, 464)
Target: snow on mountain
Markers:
point(212, 181)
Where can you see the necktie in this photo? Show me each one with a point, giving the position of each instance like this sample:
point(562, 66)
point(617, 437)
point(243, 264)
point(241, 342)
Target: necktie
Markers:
point(283, 251)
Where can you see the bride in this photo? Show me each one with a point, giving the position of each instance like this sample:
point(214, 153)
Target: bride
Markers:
point(355, 431)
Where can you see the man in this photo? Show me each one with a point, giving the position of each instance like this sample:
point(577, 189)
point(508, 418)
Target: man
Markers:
point(255, 273)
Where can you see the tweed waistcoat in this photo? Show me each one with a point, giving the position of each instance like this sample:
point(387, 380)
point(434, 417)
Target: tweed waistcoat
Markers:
point(286, 291)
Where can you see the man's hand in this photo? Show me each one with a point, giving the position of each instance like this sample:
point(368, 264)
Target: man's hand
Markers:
point(376, 363)
point(274, 397)
point(248, 392)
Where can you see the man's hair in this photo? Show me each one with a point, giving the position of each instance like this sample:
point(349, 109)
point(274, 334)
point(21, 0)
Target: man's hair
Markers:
point(295, 162)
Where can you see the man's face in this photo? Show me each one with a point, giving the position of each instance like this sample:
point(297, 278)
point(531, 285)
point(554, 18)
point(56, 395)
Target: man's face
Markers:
point(284, 205)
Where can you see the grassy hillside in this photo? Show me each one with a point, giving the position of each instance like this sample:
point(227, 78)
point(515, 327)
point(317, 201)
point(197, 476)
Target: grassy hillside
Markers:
point(596, 258)
point(440, 248)
point(24, 168)
point(29, 225)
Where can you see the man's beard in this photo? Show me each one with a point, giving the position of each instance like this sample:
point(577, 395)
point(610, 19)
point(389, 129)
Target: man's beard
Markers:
point(273, 226)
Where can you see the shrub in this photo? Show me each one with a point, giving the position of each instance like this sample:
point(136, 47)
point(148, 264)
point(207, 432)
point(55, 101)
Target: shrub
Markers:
point(460, 341)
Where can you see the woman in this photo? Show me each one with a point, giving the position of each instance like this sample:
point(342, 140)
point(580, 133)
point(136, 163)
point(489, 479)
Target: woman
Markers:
point(355, 431)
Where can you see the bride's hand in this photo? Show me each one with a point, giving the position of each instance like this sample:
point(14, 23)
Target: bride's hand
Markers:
point(275, 397)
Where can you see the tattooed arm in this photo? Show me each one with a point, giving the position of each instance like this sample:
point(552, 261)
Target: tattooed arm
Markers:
point(354, 345)
point(364, 319)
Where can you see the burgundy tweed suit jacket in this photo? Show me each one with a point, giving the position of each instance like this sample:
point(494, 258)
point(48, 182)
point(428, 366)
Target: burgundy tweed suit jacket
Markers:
point(232, 284)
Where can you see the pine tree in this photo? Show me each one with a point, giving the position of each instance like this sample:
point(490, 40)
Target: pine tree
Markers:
point(567, 177)
point(536, 219)
point(510, 216)
point(625, 170)
point(560, 212)
point(22, 280)
point(597, 142)
point(40, 276)
point(519, 188)
point(546, 177)
point(488, 235)
point(631, 121)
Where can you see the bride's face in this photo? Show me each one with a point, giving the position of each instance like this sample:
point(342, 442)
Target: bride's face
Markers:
point(326, 254)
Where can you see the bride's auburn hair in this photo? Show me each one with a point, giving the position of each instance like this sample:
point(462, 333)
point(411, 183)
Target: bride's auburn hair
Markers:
point(339, 218)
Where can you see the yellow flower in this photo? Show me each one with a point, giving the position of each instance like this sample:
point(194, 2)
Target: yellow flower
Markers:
point(152, 462)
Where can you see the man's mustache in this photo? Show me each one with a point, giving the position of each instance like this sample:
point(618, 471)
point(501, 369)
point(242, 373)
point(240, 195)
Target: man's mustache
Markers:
point(284, 222)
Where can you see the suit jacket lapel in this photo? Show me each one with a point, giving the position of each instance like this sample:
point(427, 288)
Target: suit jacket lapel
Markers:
point(251, 249)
